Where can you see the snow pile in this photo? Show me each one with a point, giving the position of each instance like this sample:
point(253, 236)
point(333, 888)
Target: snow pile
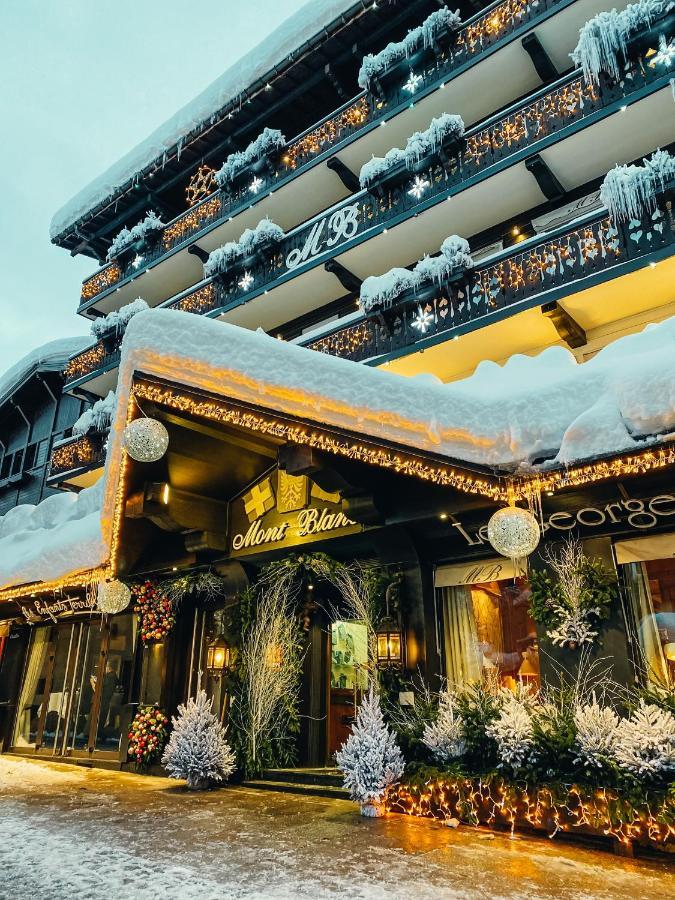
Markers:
point(59, 536)
point(222, 258)
point(51, 357)
point(316, 17)
point(99, 417)
point(118, 318)
point(419, 145)
point(126, 237)
point(380, 291)
point(268, 140)
point(603, 40)
point(424, 35)
point(629, 191)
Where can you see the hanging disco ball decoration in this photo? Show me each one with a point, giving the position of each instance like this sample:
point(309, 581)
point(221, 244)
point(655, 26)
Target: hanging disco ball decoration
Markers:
point(146, 440)
point(113, 597)
point(514, 532)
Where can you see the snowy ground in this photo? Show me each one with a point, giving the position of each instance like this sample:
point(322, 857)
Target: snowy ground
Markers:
point(69, 832)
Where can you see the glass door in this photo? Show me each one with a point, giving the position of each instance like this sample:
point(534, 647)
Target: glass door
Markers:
point(348, 678)
point(85, 674)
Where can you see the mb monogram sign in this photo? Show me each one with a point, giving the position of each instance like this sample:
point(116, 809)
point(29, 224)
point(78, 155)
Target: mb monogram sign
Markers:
point(334, 228)
point(284, 510)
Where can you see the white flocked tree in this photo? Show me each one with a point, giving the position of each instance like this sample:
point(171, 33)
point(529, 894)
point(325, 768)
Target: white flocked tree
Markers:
point(370, 758)
point(197, 750)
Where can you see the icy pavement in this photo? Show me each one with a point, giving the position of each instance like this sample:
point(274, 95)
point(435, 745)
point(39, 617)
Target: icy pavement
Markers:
point(69, 832)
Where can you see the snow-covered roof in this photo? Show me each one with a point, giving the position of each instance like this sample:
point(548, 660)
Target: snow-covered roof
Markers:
point(57, 538)
point(504, 417)
point(258, 65)
point(51, 356)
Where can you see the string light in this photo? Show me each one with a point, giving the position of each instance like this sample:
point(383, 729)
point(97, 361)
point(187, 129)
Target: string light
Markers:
point(82, 452)
point(85, 362)
point(255, 185)
point(328, 132)
point(192, 221)
point(423, 320)
point(100, 282)
point(418, 186)
point(413, 82)
point(246, 281)
point(202, 183)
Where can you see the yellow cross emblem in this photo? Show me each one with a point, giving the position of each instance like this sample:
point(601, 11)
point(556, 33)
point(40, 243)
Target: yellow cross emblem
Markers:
point(259, 500)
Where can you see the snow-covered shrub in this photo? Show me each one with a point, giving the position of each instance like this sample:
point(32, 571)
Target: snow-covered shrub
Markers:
point(513, 732)
point(596, 728)
point(128, 236)
point(418, 145)
point(222, 258)
point(645, 743)
point(370, 758)
point(603, 40)
point(118, 319)
point(197, 750)
point(424, 35)
point(380, 291)
point(630, 191)
point(445, 736)
point(99, 417)
point(268, 140)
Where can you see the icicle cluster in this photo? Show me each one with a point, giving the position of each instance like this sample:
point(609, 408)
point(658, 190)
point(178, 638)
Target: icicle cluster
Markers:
point(370, 759)
point(445, 736)
point(630, 191)
point(118, 318)
point(128, 236)
point(645, 743)
point(596, 733)
point(419, 145)
point(222, 258)
point(513, 733)
point(603, 40)
point(424, 35)
point(268, 140)
point(197, 750)
point(380, 291)
point(99, 417)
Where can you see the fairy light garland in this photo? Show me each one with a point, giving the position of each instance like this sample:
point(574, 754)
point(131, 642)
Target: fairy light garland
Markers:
point(85, 362)
point(99, 282)
point(81, 452)
point(477, 802)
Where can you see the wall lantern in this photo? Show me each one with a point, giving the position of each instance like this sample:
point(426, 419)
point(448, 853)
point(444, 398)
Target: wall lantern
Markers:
point(389, 643)
point(218, 657)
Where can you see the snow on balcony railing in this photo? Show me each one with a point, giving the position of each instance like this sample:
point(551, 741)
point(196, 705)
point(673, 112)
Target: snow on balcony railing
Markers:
point(479, 35)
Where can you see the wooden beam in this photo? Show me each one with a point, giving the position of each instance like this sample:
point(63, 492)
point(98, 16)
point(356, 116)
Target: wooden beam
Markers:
point(542, 62)
point(567, 327)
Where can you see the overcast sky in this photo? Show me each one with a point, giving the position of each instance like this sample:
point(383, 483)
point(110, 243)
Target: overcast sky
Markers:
point(82, 82)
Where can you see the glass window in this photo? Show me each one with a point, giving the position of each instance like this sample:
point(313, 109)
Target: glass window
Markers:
point(651, 593)
point(33, 689)
point(118, 671)
point(488, 630)
point(349, 656)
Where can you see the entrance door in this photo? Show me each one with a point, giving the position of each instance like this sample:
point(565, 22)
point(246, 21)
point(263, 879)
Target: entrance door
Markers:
point(348, 678)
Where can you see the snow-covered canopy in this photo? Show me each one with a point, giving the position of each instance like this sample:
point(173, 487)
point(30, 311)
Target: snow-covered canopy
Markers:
point(59, 537)
point(118, 318)
point(51, 356)
point(256, 66)
point(506, 417)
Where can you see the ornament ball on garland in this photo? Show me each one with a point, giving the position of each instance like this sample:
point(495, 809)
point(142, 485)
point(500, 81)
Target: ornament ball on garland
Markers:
point(113, 597)
point(514, 532)
point(146, 440)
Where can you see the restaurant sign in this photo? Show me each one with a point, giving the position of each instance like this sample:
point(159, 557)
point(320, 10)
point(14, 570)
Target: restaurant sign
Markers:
point(44, 610)
point(619, 515)
point(284, 510)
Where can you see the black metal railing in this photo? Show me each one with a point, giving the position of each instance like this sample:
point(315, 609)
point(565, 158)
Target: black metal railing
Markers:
point(478, 36)
point(513, 279)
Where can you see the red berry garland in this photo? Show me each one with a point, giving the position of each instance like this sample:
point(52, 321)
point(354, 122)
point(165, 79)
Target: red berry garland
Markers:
point(147, 735)
point(156, 612)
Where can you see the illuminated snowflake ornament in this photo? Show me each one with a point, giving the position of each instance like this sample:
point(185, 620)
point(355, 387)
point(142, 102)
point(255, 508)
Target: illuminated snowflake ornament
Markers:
point(664, 55)
point(255, 185)
point(413, 82)
point(138, 259)
point(422, 320)
point(246, 281)
point(418, 187)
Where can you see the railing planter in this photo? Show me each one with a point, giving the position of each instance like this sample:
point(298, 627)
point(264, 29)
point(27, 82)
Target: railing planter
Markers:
point(638, 44)
point(446, 153)
point(382, 84)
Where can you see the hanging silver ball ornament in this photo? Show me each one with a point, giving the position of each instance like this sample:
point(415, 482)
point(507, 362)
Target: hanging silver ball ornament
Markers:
point(513, 532)
point(146, 440)
point(113, 597)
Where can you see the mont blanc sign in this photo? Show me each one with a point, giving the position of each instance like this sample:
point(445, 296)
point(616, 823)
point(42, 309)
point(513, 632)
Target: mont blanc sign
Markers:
point(284, 510)
point(334, 228)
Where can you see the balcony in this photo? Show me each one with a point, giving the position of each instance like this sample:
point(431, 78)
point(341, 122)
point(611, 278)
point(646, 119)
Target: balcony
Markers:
point(531, 274)
point(101, 360)
point(76, 461)
point(440, 87)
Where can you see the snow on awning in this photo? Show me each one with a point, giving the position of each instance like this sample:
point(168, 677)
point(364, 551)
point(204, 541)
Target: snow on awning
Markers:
point(257, 65)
